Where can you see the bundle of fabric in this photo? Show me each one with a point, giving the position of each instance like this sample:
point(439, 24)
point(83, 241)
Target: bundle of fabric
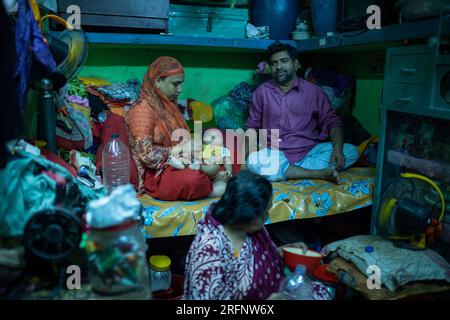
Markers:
point(231, 110)
point(241, 95)
point(253, 32)
point(115, 97)
point(117, 94)
point(26, 187)
point(335, 85)
point(399, 266)
point(128, 92)
point(33, 55)
point(73, 127)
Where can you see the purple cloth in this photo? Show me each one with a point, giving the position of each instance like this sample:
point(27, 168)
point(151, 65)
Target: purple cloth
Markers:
point(30, 48)
point(78, 100)
point(303, 115)
point(340, 83)
point(213, 272)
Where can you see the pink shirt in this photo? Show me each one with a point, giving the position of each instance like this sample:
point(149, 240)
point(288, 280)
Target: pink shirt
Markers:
point(303, 116)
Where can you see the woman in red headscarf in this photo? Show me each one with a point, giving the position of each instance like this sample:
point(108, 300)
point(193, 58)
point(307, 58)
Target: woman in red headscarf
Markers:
point(151, 122)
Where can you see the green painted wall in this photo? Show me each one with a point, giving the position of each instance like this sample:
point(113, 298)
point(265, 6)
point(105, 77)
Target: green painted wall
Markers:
point(367, 103)
point(368, 69)
point(208, 75)
point(212, 73)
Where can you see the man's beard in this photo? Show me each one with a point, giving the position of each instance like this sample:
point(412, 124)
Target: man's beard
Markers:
point(284, 78)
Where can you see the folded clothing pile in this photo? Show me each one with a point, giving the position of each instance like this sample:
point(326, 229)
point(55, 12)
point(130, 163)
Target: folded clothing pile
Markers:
point(231, 110)
point(335, 85)
point(398, 266)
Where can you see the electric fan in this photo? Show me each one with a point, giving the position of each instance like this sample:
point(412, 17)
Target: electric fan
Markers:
point(69, 49)
point(404, 218)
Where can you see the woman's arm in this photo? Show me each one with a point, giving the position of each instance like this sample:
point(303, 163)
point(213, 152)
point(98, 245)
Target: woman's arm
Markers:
point(150, 155)
point(141, 120)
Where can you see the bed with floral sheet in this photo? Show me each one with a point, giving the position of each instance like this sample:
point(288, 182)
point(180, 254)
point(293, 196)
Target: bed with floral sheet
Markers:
point(295, 199)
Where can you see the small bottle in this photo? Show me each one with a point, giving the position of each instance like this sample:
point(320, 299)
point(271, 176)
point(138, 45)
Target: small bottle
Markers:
point(160, 275)
point(297, 286)
point(116, 163)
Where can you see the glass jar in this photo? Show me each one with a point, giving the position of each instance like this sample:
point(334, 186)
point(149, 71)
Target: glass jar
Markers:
point(160, 275)
point(117, 261)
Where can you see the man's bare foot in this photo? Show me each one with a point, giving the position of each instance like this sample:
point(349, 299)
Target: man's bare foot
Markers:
point(296, 173)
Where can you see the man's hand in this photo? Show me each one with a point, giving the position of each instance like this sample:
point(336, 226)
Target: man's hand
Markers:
point(338, 158)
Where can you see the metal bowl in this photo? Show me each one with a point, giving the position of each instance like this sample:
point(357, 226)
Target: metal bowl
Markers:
point(417, 9)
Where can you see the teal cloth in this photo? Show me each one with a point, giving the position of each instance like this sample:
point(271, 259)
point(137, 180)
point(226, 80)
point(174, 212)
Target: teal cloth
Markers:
point(24, 190)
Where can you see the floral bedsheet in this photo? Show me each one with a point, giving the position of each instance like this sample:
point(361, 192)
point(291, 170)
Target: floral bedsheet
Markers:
point(295, 199)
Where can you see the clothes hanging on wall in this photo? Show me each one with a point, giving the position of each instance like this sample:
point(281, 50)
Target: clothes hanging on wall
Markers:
point(33, 54)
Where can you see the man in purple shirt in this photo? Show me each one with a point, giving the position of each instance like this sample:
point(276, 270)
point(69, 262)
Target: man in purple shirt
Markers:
point(299, 118)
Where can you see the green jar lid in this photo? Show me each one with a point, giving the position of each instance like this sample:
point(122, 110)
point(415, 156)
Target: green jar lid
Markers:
point(159, 263)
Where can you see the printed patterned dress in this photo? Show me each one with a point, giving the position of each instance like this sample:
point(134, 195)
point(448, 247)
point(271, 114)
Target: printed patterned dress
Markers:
point(215, 272)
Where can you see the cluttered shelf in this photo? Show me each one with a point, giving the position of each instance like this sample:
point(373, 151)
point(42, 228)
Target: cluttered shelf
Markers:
point(179, 41)
point(420, 29)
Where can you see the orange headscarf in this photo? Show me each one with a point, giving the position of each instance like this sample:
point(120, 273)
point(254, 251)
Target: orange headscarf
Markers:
point(153, 101)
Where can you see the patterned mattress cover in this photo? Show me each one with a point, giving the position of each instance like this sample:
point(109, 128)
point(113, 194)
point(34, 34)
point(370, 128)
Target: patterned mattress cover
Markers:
point(295, 199)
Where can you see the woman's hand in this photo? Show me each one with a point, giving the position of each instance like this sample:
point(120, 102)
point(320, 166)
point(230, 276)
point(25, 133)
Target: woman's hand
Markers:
point(175, 152)
point(192, 150)
point(189, 150)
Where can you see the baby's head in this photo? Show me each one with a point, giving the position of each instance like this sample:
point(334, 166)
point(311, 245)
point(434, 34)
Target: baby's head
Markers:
point(213, 137)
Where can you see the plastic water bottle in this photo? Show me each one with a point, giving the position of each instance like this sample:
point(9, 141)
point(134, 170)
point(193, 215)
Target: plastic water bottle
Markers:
point(116, 163)
point(297, 286)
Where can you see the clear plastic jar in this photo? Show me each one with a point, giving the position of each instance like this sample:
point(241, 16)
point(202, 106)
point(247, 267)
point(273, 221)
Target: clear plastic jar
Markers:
point(160, 275)
point(117, 261)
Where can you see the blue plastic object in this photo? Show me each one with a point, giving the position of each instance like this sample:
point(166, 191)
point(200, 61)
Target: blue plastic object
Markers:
point(369, 249)
point(279, 15)
point(324, 16)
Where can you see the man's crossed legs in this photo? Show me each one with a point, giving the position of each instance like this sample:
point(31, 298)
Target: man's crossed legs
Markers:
point(274, 165)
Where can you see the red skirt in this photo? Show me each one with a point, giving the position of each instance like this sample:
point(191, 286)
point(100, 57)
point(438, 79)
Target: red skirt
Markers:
point(174, 184)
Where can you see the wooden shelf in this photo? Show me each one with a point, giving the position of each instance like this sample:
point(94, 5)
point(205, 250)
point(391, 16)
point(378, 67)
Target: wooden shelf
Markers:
point(386, 36)
point(421, 29)
point(177, 41)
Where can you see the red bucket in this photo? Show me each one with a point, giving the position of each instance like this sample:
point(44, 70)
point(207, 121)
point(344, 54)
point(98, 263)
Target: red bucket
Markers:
point(175, 292)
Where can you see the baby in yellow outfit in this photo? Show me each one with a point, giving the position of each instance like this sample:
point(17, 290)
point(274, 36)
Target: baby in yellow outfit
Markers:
point(214, 154)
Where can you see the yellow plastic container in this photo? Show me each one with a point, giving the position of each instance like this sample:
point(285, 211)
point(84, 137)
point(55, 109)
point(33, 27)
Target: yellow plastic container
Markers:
point(160, 275)
point(201, 111)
